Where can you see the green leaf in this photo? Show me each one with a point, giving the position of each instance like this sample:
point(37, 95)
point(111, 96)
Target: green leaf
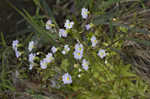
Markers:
point(65, 64)
point(3, 40)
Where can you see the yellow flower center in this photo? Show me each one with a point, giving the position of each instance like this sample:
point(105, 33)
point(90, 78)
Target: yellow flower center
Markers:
point(68, 78)
point(86, 64)
point(44, 63)
point(78, 54)
point(50, 58)
point(94, 41)
point(101, 54)
point(86, 13)
point(80, 49)
point(69, 25)
point(52, 25)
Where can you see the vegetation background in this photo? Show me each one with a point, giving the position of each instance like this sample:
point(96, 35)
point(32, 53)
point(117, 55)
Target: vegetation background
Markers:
point(122, 27)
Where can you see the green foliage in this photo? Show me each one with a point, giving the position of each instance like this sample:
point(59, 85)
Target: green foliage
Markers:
point(5, 83)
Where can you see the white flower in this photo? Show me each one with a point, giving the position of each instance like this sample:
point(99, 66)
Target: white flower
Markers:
point(62, 33)
point(101, 53)
point(63, 52)
point(31, 57)
point(49, 57)
point(80, 70)
point(54, 49)
point(37, 53)
point(30, 66)
point(48, 24)
point(18, 54)
point(79, 47)
point(66, 49)
point(85, 64)
point(15, 44)
point(88, 26)
point(31, 46)
point(84, 13)
point(78, 55)
point(43, 63)
point(79, 75)
point(67, 78)
point(68, 24)
point(106, 62)
point(94, 41)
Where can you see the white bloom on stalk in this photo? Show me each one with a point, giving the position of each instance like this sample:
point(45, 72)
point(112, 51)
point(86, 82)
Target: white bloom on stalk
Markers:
point(31, 46)
point(62, 33)
point(15, 44)
point(85, 64)
point(67, 78)
point(49, 24)
point(68, 24)
point(79, 75)
point(106, 62)
point(49, 57)
point(84, 13)
point(54, 49)
point(31, 57)
point(66, 49)
point(101, 53)
point(94, 41)
point(43, 63)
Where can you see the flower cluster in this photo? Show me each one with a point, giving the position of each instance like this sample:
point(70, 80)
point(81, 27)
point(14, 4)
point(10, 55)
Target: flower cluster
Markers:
point(62, 33)
point(31, 60)
point(15, 48)
point(78, 53)
point(32, 56)
point(48, 59)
